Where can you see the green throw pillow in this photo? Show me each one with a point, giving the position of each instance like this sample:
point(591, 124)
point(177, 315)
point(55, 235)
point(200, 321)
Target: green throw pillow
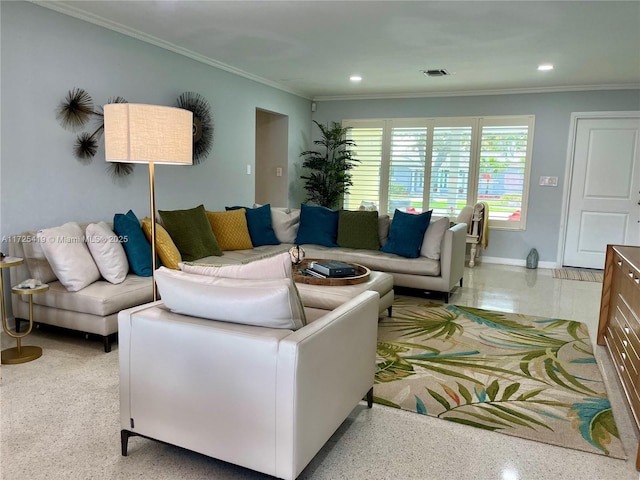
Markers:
point(358, 229)
point(191, 231)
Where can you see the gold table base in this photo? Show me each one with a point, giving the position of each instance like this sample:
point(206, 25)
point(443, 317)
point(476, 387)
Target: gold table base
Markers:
point(24, 354)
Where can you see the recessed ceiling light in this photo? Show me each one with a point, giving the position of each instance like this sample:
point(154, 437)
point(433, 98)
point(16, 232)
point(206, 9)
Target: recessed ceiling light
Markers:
point(355, 78)
point(544, 67)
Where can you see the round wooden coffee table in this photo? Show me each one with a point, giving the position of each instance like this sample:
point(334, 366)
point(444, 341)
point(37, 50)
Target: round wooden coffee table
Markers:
point(300, 275)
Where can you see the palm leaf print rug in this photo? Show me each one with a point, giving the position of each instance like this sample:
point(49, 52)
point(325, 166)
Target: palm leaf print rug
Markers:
point(525, 376)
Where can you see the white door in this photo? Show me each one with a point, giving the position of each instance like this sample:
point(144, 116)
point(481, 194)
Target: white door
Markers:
point(604, 201)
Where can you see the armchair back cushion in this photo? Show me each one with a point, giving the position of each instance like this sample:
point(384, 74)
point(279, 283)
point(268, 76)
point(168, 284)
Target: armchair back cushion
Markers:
point(268, 303)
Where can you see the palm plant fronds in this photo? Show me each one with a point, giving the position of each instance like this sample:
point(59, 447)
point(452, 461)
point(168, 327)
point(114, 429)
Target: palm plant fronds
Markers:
point(329, 178)
point(75, 110)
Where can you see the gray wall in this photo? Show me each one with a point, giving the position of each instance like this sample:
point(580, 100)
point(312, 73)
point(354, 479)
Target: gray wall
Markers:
point(551, 136)
point(45, 54)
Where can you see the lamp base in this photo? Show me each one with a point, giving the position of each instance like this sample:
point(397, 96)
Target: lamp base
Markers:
point(12, 356)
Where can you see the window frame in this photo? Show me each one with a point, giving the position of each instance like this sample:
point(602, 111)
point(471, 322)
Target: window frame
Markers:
point(476, 124)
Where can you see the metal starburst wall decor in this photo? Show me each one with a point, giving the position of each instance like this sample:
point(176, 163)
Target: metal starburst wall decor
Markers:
point(202, 124)
point(75, 112)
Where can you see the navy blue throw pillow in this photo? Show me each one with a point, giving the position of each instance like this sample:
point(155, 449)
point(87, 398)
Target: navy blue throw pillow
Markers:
point(136, 247)
point(318, 226)
point(259, 225)
point(406, 233)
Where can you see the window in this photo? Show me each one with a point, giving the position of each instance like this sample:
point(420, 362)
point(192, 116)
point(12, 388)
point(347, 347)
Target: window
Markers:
point(445, 163)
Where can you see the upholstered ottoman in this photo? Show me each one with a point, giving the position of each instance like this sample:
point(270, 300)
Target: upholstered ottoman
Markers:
point(330, 297)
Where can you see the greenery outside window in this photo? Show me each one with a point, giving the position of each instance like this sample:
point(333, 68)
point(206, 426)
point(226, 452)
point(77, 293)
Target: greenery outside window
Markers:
point(444, 164)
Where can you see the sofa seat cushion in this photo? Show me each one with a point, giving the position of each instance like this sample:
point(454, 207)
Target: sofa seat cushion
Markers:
point(376, 260)
point(234, 257)
point(331, 297)
point(101, 298)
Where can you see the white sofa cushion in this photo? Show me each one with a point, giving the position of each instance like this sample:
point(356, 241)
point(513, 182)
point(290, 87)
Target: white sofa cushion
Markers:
point(69, 256)
point(107, 252)
point(277, 266)
point(269, 303)
point(101, 298)
point(285, 223)
point(433, 238)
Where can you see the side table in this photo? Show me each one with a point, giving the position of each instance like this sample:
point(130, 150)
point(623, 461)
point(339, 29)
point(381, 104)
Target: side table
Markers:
point(19, 354)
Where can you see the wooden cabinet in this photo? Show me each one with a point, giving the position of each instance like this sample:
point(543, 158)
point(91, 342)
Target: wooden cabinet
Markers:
point(619, 326)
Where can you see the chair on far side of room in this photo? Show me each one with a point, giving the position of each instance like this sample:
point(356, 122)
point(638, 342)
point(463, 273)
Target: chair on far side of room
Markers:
point(477, 219)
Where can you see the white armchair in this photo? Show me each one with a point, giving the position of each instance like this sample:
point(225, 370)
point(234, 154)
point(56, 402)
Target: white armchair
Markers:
point(264, 398)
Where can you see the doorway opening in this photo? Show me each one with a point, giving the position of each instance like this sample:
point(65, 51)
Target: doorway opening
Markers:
point(272, 161)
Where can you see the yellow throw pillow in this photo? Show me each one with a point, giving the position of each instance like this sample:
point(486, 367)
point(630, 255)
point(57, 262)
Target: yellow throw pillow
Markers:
point(165, 248)
point(230, 229)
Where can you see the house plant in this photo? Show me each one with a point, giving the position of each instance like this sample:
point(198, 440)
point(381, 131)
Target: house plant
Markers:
point(329, 177)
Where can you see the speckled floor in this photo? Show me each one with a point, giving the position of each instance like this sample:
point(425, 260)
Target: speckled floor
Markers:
point(60, 414)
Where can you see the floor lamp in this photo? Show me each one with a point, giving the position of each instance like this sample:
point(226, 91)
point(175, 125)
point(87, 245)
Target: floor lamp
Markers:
point(151, 134)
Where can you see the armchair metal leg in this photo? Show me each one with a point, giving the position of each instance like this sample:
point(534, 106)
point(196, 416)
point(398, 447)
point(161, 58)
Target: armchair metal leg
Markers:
point(124, 441)
point(370, 398)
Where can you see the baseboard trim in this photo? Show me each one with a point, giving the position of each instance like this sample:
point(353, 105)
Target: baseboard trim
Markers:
point(512, 261)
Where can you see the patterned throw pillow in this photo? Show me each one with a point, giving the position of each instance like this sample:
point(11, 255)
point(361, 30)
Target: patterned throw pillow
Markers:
point(230, 229)
point(165, 248)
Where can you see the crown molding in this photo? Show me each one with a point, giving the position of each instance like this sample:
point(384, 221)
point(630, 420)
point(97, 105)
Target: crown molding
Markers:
point(473, 93)
point(118, 27)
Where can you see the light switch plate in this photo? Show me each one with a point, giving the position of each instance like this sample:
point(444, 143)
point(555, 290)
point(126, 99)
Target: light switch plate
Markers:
point(549, 181)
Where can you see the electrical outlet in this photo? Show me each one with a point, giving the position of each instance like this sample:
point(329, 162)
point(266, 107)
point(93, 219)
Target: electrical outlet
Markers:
point(548, 181)
point(278, 171)
point(248, 169)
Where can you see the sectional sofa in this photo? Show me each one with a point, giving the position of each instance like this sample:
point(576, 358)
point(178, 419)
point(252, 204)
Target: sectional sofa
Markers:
point(241, 235)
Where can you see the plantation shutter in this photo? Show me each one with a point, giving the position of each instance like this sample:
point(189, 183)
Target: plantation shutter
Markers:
point(366, 174)
point(407, 169)
point(450, 164)
point(504, 150)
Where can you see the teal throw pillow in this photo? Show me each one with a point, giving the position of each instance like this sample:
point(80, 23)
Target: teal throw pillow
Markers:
point(191, 231)
point(358, 229)
point(259, 224)
point(318, 226)
point(136, 247)
point(406, 233)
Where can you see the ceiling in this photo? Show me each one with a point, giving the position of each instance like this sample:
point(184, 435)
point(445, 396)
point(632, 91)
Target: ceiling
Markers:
point(311, 48)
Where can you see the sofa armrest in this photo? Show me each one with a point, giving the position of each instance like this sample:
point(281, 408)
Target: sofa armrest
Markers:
point(453, 250)
point(324, 370)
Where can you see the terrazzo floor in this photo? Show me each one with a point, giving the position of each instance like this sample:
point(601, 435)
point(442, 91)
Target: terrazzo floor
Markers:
point(59, 414)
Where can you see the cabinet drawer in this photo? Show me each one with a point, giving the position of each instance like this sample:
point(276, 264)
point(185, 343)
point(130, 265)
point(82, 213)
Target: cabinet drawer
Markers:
point(622, 358)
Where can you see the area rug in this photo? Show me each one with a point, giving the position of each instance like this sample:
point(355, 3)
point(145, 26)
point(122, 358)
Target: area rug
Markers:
point(578, 274)
point(525, 376)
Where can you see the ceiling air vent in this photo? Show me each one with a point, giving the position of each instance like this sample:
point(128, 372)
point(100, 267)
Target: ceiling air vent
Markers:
point(438, 72)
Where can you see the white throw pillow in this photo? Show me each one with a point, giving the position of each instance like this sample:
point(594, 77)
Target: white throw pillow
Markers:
point(285, 223)
point(265, 303)
point(69, 256)
point(433, 238)
point(277, 266)
point(107, 252)
point(37, 263)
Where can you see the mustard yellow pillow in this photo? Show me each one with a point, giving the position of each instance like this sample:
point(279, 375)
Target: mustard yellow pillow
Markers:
point(230, 229)
point(165, 248)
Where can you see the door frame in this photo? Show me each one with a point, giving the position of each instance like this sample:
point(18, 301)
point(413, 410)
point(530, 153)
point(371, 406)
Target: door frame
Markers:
point(568, 173)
